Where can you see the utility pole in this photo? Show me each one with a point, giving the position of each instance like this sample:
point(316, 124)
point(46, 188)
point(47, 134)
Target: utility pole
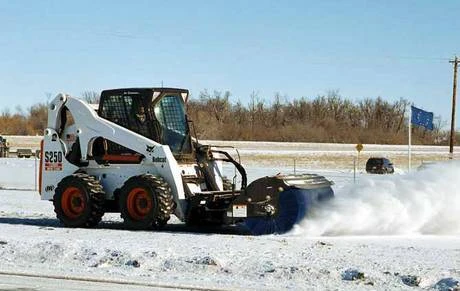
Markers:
point(455, 61)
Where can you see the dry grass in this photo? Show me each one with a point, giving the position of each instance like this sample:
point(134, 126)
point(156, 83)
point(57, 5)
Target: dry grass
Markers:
point(304, 155)
point(343, 161)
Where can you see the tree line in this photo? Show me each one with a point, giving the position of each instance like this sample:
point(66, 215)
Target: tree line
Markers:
point(325, 118)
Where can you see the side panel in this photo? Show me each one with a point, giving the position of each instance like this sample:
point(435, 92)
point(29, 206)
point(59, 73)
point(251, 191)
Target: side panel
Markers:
point(54, 167)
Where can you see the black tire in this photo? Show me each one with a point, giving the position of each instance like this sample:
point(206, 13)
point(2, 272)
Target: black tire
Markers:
point(79, 201)
point(146, 201)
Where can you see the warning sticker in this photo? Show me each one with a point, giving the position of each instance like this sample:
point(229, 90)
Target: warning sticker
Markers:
point(53, 160)
point(53, 166)
point(240, 211)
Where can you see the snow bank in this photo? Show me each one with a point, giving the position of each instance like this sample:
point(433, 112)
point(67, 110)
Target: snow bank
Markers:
point(422, 202)
point(18, 173)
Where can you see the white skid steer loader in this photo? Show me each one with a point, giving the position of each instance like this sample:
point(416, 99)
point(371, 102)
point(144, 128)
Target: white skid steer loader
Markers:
point(135, 155)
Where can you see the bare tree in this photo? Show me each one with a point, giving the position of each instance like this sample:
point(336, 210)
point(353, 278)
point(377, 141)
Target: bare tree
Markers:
point(38, 115)
point(328, 118)
point(48, 96)
point(91, 97)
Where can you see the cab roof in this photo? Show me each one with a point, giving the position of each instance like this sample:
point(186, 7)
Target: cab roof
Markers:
point(147, 90)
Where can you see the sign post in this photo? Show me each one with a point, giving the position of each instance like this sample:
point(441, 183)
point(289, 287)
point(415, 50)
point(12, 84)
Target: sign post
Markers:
point(359, 147)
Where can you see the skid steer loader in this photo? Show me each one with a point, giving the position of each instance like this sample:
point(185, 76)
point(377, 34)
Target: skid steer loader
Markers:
point(135, 155)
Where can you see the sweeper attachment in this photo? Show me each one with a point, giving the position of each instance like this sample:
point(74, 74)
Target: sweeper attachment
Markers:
point(275, 204)
point(135, 155)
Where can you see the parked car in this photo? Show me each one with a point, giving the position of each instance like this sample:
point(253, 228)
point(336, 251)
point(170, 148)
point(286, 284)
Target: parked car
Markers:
point(379, 166)
point(24, 153)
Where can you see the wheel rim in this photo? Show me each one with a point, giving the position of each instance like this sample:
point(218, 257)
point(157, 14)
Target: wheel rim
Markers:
point(73, 202)
point(139, 203)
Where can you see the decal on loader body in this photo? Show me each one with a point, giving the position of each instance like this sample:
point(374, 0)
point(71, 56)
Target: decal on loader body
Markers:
point(240, 211)
point(150, 148)
point(49, 188)
point(159, 160)
point(53, 161)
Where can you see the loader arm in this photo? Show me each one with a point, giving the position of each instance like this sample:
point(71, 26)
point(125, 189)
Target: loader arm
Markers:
point(90, 126)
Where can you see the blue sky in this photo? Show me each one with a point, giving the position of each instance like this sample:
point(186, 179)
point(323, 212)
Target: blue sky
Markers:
point(362, 48)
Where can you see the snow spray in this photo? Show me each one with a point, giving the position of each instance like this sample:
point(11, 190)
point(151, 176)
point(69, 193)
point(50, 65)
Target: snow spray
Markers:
point(422, 202)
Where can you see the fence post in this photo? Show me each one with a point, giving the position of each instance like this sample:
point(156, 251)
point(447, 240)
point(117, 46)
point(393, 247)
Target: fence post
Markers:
point(35, 167)
point(354, 170)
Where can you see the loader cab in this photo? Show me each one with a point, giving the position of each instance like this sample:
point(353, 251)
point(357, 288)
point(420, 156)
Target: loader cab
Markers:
point(156, 113)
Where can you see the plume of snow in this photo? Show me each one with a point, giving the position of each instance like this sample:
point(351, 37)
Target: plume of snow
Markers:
point(422, 202)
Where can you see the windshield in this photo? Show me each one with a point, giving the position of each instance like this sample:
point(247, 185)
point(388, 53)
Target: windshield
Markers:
point(375, 162)
point(170, 113)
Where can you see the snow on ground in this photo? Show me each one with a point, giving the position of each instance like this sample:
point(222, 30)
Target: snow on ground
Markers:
point(18, 173)
point(386, 232)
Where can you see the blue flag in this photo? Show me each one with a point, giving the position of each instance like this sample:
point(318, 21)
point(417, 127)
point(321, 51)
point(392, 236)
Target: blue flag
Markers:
point(422, 118)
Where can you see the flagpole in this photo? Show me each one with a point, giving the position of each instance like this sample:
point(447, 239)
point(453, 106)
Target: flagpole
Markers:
point(409, 153)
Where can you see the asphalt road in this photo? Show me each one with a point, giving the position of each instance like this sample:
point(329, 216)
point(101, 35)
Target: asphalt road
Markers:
point(32, 282)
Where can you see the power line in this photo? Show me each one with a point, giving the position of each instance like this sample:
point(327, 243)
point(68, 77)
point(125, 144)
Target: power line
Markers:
point(418, 58)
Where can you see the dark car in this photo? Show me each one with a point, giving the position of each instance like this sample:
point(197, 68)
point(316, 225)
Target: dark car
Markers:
point(379, 166)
